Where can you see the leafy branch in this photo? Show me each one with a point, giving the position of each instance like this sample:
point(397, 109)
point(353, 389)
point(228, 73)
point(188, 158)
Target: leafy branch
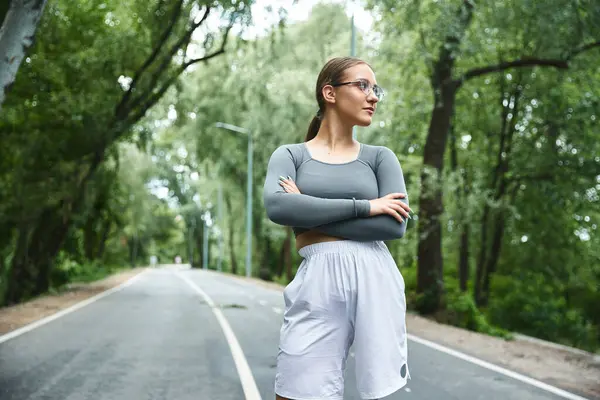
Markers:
point(527, 62)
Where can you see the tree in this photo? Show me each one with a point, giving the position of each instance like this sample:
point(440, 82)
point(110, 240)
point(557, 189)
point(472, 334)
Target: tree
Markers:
point(448, 74)
point(115, 61)
point(16, 37)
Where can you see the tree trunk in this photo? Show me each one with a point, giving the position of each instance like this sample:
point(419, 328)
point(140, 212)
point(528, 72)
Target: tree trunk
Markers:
point(430, 284)
point(89, 239)
point(134, 250)
point(494, 255)
point(103, 239)
point(463, 225)
point(35, 254)
point(92, 228)
point(34, 266)
point(479, 272)
point(430, 265)
point(493, 220)
point(20, 276)
point(463, 261)
point(16, 37)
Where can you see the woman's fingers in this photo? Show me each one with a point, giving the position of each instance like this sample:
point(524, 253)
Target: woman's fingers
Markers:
point(288, 185)
point(396, 195)
point(400, 210)
point(402, 204)
point(394, 214)
point(285, 186)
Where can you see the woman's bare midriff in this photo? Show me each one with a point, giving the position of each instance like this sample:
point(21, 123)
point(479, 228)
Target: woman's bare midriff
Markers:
point(311, 237)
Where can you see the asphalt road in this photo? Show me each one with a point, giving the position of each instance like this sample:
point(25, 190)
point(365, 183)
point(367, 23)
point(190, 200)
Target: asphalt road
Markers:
point(158, 338)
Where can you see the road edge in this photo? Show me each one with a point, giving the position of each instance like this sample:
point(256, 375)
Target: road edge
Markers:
point(566, 394)
point(42, 321)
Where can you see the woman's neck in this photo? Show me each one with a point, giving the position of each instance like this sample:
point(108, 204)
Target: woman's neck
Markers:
point(334, 133)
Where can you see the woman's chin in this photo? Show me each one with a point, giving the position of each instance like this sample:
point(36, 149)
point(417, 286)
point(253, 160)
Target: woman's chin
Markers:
point(366, 121)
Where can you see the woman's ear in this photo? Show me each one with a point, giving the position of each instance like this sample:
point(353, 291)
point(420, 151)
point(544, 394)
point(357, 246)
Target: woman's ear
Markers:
point(328, 94)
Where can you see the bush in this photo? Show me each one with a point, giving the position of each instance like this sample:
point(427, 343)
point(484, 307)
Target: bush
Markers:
point(67, 270)
point(461, 311)
point(536, 306)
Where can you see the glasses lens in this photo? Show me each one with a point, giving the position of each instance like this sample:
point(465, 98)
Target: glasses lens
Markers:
point(364, 86)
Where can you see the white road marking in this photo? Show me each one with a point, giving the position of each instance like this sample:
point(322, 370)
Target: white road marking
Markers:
point(495, 368)
point(277, 310)
point(492, 367)
point(74, 307)
point(262, 302)
point(247, 379)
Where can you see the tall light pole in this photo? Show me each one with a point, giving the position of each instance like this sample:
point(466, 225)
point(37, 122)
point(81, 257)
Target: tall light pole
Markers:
point(220, 218)
point(248, 193)
point(205, 244)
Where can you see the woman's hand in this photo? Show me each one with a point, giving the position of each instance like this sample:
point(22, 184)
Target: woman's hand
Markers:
point(390, 205)
point(288, 185)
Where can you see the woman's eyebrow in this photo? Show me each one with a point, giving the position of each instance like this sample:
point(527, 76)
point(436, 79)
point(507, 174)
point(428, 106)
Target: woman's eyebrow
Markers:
point(365, 79)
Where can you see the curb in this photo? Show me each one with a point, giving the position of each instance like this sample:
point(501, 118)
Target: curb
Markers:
point(595, 358)
point(557, 346)
point(74, 307)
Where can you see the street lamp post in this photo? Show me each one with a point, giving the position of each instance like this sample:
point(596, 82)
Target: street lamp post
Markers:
point(248, 193)
point(205, 245)
point(220, 218)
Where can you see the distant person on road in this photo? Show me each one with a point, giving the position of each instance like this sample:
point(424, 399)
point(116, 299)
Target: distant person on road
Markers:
point(343, 198)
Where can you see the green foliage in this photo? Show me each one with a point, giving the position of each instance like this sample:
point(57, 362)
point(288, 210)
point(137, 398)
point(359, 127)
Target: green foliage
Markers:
point(462, 311)
point(70, 271)
point(162, 161)
point(522, 173)
point(536, 306)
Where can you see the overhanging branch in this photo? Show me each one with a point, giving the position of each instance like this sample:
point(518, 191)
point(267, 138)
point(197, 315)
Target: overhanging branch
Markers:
point(214, 54)
point(168, 58)
point(523, 62)
point(154, 97)
point(583, 48)
point(161, 42)
point(528, 62)
point(517, 179)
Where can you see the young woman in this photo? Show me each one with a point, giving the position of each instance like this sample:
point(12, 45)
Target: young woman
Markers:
point(343, 199)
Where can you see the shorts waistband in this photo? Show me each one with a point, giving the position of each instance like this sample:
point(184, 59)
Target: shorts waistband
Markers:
point(339, 246)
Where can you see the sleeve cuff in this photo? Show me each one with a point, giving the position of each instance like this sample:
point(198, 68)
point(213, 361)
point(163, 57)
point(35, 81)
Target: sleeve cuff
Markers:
point(363, 208)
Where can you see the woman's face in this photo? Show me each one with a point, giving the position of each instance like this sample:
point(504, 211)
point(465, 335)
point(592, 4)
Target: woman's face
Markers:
point(351, 102)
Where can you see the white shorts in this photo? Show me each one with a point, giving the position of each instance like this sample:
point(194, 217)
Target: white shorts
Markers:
point(344, 293)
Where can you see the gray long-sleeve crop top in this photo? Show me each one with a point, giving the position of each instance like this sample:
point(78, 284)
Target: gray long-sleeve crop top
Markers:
point(334, 198)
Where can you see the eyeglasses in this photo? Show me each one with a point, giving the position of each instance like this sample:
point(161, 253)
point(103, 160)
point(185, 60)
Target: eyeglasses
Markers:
point(365, 86)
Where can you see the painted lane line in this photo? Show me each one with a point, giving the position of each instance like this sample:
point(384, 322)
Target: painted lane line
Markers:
point(484, 364)
point(495, 368)
point(246, 378)
point(277, 310)
point(262, 302)
point(68, 310)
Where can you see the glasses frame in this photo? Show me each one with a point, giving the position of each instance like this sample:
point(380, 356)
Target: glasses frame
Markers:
point(367, 91)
